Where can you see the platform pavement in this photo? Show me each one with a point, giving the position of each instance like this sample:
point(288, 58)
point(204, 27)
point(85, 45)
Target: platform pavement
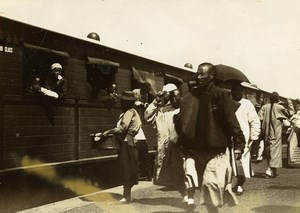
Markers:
point(276, 195)
point(102, 201)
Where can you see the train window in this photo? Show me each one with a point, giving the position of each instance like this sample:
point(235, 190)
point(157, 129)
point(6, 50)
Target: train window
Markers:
point(43, 67)
point(44, 77)
point(101, 75)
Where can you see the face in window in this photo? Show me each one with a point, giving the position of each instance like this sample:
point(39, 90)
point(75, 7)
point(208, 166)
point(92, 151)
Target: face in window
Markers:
point(56, 72)
point(112, 88)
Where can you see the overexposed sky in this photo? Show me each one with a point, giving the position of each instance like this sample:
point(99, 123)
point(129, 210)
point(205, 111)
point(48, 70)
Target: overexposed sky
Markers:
point(259, 37)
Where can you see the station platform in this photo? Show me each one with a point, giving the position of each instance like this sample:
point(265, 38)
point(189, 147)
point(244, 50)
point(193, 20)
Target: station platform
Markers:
point(102, 201)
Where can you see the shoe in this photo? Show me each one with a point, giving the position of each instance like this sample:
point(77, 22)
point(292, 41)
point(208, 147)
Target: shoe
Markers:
point(191, 205)
point(239, 190)
point(125, 200)
point(191, 201)
point(185, 199)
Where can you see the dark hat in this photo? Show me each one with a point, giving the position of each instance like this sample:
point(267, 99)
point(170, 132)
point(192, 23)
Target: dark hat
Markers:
point(128, 96)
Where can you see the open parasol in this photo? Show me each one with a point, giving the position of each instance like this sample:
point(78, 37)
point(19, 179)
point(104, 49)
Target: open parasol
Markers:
point(226, 73)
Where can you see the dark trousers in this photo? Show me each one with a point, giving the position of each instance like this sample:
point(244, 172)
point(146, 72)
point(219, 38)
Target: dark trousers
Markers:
point(144, 159)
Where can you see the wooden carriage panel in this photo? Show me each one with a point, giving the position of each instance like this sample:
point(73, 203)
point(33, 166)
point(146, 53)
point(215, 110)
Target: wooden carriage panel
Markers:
point(29, 134)
point(37, 160)
point(10, 71)
point(123, 79)
point(92, 120)
point(76, 79)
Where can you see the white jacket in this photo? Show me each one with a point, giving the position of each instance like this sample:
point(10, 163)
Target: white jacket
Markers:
point(248, 120)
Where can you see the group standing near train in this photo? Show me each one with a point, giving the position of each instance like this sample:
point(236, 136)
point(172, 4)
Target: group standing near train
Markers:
point(202, 130)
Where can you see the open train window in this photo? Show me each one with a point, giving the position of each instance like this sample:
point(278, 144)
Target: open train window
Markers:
point(101, 74)
point(44, 77)
point(37, 62)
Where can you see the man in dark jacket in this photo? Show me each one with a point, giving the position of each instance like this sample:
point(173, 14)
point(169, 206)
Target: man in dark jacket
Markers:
point(207, 127)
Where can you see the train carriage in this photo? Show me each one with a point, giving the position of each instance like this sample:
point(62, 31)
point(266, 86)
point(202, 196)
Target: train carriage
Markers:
point(36, 133)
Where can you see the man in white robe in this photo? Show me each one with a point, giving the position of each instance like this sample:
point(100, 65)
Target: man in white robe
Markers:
point(250, 125)
point(168, 166)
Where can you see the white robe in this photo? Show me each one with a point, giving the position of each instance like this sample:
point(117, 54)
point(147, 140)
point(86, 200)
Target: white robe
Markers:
point(162, 119)
point(250, 125)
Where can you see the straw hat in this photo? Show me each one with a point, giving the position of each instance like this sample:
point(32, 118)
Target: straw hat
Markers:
point(128, 96)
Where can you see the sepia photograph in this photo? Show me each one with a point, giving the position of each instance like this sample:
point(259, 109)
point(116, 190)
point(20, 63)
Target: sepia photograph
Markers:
point(151, 106)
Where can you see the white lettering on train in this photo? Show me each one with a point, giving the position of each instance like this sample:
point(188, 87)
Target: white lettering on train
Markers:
point(6, 49)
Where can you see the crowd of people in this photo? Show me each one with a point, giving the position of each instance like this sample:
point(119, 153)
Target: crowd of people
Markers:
point(204, 138)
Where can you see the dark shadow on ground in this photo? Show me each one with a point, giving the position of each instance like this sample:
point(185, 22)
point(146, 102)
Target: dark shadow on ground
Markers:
point(167, 189)
point(277, 209)
point(260, 175)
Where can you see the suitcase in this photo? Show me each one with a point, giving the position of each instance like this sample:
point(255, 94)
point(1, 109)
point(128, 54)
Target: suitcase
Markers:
point(105, 143)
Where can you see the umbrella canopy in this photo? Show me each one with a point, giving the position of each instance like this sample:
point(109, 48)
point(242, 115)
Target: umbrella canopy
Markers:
point(227, 73)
